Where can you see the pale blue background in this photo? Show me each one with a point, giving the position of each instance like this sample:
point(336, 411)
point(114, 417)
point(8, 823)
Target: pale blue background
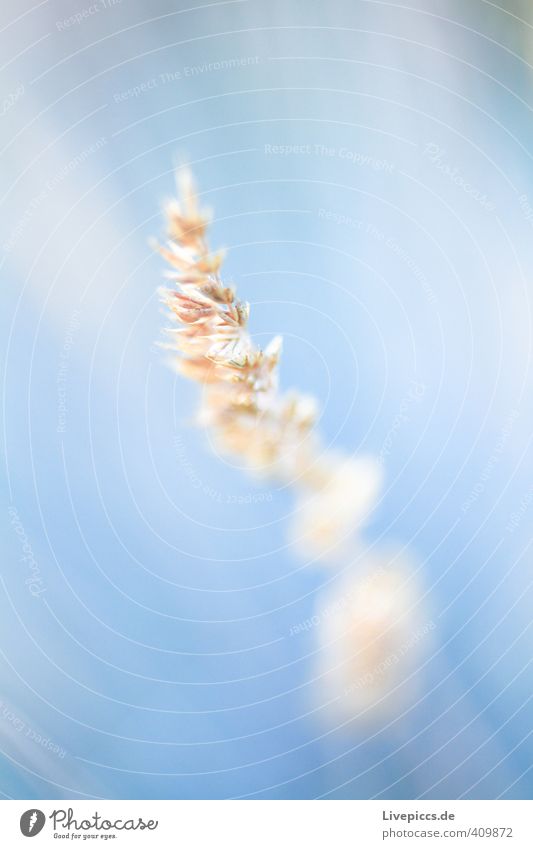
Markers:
point(159, 656)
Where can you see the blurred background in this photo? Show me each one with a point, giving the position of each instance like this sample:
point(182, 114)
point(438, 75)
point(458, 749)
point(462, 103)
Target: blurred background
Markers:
point(370, 169)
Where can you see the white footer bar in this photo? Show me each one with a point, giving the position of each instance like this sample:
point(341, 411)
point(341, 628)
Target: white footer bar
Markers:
point(268, 824)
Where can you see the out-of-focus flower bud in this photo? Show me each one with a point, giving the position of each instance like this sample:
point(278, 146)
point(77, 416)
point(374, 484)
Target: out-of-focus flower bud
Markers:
point(373, 633)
